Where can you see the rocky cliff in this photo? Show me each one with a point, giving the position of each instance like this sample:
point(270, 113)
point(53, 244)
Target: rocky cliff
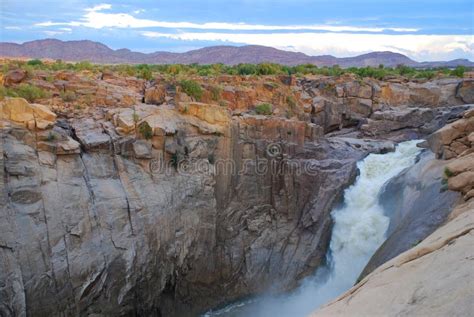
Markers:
point(134, 198)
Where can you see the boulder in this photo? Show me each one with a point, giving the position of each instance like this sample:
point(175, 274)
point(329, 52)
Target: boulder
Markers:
point(15, 76)
point(155, 95)
point(465, 91)
point(462, 182)
point(29, 115)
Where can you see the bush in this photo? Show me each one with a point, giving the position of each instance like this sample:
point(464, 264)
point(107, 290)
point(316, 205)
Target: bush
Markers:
point(34, 62)
point(458, 71)
point(29, 92)
point(268, 69)
point(264, 108)
point(84, 65)
point(146, 131)
point(68, 96)
point(144, 72)
point(192, 89)
point(448, 173)
point(216, 93)
point(246, 69)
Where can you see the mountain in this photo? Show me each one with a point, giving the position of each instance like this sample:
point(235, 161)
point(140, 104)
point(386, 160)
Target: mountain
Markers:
point(231, 55)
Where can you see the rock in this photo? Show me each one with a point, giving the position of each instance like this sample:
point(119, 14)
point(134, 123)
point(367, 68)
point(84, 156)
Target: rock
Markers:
point(15, 76)
point(452, 139)
point(155, 95)
point(461, 164)
point(465, 91)
point(396, 119)
point(29, 115)
point(209, 113)
point(462, 182)
point(91, 134)
point(421, 281)
point(142, 149)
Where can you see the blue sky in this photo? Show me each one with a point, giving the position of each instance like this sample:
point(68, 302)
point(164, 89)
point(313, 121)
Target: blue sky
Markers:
point(423, 30)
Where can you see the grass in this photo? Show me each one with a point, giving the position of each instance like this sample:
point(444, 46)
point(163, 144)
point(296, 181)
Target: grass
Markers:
point(448, 173)
point(27, 91)
point(68, 96)
point(264, 109)
point(216, 93)
point(145, 130)
point(192, 89)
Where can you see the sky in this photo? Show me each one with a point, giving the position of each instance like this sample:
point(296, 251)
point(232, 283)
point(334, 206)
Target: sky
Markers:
point(425, 30)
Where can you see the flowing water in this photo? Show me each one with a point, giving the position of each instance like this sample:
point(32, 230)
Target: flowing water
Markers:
point(359, 229)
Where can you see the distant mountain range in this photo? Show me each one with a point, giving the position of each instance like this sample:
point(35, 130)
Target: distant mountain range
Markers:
point(99, 53)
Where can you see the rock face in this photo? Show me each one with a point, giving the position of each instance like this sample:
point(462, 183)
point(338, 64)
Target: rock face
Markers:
point(453, 139)
point(29, 115)
point(433, 278)
point(119, 207)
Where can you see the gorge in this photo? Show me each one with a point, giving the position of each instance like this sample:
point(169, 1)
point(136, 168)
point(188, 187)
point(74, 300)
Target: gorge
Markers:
point(127, 196)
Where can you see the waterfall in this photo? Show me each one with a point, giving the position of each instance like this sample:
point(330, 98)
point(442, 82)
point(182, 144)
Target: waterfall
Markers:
point(359, 229)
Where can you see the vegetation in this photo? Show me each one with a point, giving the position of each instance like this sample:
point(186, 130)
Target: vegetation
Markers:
point(145, 130)
point(192, 89)
point(216, 93)
point(68, 96)
point(448, 173)
point(147, 71)
point(27, 91)
point(264, 109)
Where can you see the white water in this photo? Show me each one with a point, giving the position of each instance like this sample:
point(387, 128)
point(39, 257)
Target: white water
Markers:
point(359, 229)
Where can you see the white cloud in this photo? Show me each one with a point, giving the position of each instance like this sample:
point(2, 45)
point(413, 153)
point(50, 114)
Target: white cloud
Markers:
point(12, 28)
point(94, 18)
point(419, 47)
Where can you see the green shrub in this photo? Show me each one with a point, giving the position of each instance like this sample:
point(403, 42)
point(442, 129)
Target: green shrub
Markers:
point(192, 89)
point(34, 62)
point(458, 71)
point(290, 100)
point(268, 69)
point(146, 74)
point(448, 173)
point(246, 69)
point(68, 96)
point(84, 65)
point(216, 93)
point(29, 92)
point(145, 130)
point(264, 108)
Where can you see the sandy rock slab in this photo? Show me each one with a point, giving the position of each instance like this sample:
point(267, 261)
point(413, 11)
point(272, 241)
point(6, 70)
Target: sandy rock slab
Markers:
point(435, 278)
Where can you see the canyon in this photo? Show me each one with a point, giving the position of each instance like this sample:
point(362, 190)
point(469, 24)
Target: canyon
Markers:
point(134, 197)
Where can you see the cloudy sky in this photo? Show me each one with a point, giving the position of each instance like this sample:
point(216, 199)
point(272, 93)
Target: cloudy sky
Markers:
point(421, 29)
